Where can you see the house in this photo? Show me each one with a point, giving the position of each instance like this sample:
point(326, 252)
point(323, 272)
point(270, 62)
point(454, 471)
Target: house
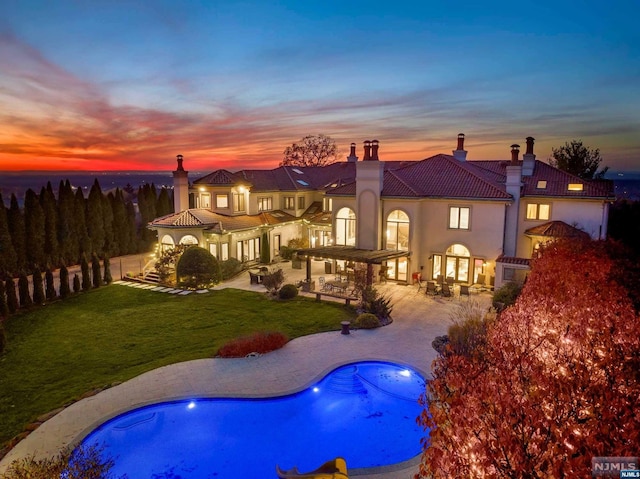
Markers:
point(441, 215)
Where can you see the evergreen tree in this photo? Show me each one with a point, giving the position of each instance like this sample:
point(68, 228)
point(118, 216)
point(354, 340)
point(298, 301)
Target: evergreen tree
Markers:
point(122, 235)
point(34, 229)
point(38, 289)
point(135, 244)
point(86, 278)
point(76, 283)
point(107, 270)
point(164, 205)
point(50, 289)
point(8, 262)
point(49, 208)
point(23, 291)
point(147, 206)
point(15, 219)
point(67, 237)
point(4, 309)
point(80, 213)
point(12, 299)
point(64, 282)
point(95, 269)
point(95, 221)
point(107, 219)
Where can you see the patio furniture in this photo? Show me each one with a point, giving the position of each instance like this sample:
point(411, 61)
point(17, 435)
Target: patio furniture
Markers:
point(446, 291)
point(480, 283)
point(432, 288)
point(465, 291)
point(322, 283)
point(254, 278)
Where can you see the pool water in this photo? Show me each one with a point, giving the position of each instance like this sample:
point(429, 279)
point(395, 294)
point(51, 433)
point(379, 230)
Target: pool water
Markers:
point(365, 412)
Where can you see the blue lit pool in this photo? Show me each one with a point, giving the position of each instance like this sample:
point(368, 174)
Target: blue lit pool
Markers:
point(365, 412)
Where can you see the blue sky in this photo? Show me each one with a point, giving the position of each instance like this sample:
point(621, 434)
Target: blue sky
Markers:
point(128, 85)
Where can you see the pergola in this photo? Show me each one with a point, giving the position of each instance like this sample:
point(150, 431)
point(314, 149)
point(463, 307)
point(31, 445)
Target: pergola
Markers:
point(350, 253)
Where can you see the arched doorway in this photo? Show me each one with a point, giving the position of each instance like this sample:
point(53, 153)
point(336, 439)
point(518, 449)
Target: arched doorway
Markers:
point(397, 238)
point(166, 243)
point(189, 240)
point(457, 263)
point(346, 227)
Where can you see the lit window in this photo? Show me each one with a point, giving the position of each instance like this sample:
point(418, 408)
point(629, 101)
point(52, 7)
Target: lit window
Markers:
point(398, 231)
point(537, 211)
point(542, 184)
point(289, 203)
point(575, 187)
point(224, 251)
point(238, 201)
point(205, 200)
point(265, 204)
point(459, 218)
point(345, 227)
point(222, 201)
point(327, 204)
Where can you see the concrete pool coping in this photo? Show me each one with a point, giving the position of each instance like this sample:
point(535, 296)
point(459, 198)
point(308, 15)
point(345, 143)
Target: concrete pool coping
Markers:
point(418, 319)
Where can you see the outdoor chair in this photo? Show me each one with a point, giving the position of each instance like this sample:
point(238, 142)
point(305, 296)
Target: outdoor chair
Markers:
point(464, 291)
point(253, 278)
point(322, 283)
point(440, 279)
point(480, 283)
point(450, 281)
point(446, 291)
point(431, 288)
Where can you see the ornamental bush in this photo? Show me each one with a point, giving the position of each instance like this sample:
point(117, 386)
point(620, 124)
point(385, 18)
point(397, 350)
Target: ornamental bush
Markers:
point(367, 321)
point(197, 268)
point(506, 295)
point(230, 268)
point(288, 291)
point(256, 343)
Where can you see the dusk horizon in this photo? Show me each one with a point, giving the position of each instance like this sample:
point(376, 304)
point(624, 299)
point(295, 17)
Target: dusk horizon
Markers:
point(128, 86)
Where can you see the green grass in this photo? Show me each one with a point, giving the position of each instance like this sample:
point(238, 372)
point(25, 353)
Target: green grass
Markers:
point(62, 350)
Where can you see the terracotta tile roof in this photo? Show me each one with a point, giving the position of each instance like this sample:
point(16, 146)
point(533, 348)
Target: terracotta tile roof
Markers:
point(556, 229)
point(187, 218)
point(222, 178)
point(216, 222)
point(513, 260)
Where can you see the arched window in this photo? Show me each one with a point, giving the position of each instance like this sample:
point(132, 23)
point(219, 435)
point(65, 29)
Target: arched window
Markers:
point(346, 227)
point(166, 243)
point(457, 265)
point(189, 239)
point(398, 231)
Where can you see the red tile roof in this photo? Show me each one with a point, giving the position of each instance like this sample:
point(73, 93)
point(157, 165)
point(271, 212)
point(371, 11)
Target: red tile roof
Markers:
point(513, 260)
point(221, 177)
point(216, 222)
point(556, 229)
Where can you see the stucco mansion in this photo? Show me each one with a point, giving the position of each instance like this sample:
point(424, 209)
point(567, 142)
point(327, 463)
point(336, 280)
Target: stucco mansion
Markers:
point(441, 215)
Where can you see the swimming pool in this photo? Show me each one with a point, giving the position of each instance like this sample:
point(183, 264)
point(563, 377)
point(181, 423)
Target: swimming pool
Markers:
point(365, 412)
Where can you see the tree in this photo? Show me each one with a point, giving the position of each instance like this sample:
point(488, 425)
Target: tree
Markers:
point(312, 150)
point(64, 282)
point(38, 289)
point(95, 220)
point(50, 288)
point(557, 381)
point(49, 208)
point(4, 308)
point(86, 278)
point(273, 281)
point(66, 225)
point(197, 268)
point(76, 283)
point(12, 298)
point(265, 253)
point(15, 219)
point(23, 291)
point(80, 223)
point(7, 253)
point(95, 270)
point(34, 230)
point(579, 160)
point(108, 279)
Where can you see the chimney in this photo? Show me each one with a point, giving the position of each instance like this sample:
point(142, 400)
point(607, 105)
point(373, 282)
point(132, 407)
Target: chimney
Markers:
point(352, 154)
point(367, 150)
point(180, 187)
point(460, 153)
point(515, 151)
point(374, 150)
point(528, 159)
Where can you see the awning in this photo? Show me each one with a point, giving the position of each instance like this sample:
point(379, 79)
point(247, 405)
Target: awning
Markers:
point(349, 253)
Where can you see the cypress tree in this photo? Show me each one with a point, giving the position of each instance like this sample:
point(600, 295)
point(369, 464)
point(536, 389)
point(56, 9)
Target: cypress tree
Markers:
point(15, 219)
point(49, 208)
point(67, 238)
point(64, 282)
point(109, 233)
point(122, 235)
point(80, 213)
point(50, 288)
point(76, 283)
point(107, 270)
point(95, 269)
point(23, 291)
point(95, 222)
point(38, 289)
point(164, 206)
point(7, 253)
point(135, 244)
point(12, 299)
point(4, 309)
point(34, 229)
point(86, 278)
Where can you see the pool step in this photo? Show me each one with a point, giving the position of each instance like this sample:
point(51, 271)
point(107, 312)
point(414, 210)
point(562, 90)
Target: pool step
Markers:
point(346, 381)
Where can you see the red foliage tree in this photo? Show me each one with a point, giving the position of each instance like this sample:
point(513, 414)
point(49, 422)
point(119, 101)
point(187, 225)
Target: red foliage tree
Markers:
point(557, 383)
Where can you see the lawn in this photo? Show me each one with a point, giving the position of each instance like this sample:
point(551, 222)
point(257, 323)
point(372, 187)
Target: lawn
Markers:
point(62, 350)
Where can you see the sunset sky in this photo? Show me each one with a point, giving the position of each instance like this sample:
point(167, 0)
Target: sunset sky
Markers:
point(128, 85)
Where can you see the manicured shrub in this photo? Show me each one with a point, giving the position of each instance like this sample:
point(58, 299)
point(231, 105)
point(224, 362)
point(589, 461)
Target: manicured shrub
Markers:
point(467, 335)
point(50, 289)
point(95, 270)
point(374, 303)
point(197, 268)
point(76, 283)
point(367, 321)
point(286, 252)
point(273, 280)
point(12, 298)
point(38, 289)
point(23, 291)
point(64, 282)
point(3, 338)
point(4, 309)
point(506, 295)
point(230, 268)
point(256, 343)
point(108, 279)
point(288, 291)
point(86, 278)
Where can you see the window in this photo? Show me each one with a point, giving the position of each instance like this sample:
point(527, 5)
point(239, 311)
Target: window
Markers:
point(478, 268)
point(437, 266)
point(346, 227)
point(265, 204)
point(277, 242)
point(302, 182)
point(575, 187)
point(398, 231)
point(300, 202)
point(459, 218)
point(189, 239)
point(536, 211)
point(222, 201)
point(248, 250)
point(542, 184)
point(213, 249)
point(224, 251)
point(508, 274)
point(289, 203)
point(457, 263)
point(297, 171)
point(327, 204)
point(238, 201)
point(205, 200)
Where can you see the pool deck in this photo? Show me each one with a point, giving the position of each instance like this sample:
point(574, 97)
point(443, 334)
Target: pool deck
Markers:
point(418, 319)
